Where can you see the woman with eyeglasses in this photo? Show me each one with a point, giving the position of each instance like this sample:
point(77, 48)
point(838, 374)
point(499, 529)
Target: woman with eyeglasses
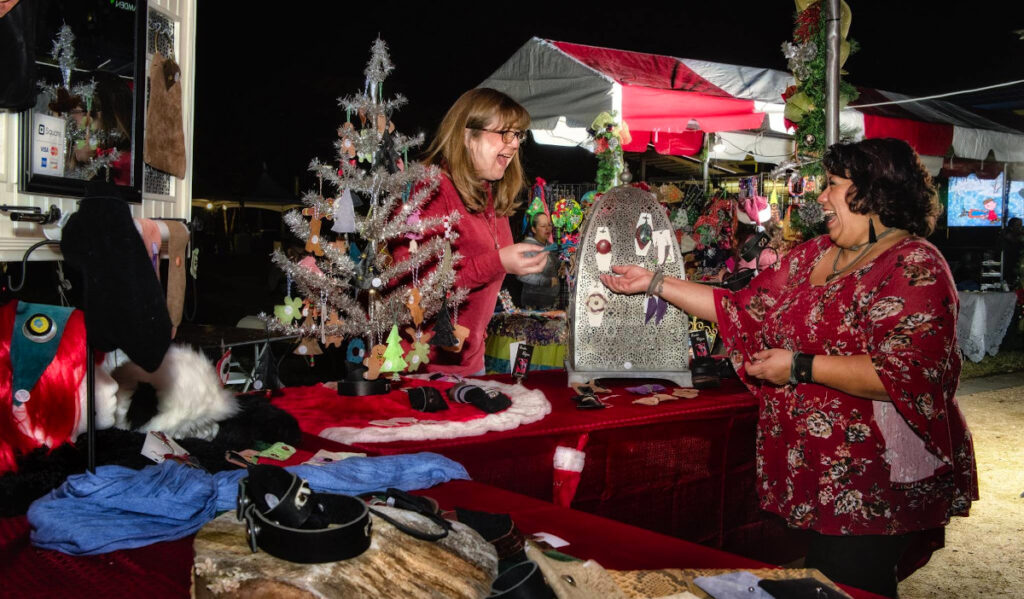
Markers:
point(849, 342)
point(477, 148)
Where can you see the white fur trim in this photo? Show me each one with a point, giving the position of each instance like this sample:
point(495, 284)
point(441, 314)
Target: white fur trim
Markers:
point(527, 406)
point(190, 399)
point(569, 459)
point(106, 402)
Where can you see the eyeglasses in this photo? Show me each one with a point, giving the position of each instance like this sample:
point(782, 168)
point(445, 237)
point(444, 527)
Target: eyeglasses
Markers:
point(507, 135)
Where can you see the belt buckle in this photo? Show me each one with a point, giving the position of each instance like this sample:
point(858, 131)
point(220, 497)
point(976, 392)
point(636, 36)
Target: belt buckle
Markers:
point(251, 528)
point(242, 501)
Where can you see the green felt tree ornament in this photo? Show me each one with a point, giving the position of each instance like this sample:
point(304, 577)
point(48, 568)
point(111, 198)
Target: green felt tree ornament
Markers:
point(393, 361)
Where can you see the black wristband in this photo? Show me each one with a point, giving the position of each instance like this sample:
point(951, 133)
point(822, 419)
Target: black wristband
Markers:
point(801, 369)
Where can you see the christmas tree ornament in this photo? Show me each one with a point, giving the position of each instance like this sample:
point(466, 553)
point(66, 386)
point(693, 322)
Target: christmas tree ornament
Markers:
point(333, 323)
point(444, 328)
point(393, 361)
point(356, 351)
point(313, 241)
point(344, 214)
point(308, 347)
point(309, 263)
point(460, 333)
point(418, 355)
point(347, 140)
point(289, 311)
point(414, 306)
point(374, 361)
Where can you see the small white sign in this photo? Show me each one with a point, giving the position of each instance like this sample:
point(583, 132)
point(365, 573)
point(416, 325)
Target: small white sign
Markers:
point(47, 145)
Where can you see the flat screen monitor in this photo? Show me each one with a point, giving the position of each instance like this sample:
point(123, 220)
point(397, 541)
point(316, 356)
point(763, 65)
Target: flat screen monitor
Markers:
point(975, 202)
point(1015, 201)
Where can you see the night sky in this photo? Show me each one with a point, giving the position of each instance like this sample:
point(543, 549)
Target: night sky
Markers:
point(267, 81)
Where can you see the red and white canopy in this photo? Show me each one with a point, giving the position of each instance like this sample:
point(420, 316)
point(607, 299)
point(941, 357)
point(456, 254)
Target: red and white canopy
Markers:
point(670, 103)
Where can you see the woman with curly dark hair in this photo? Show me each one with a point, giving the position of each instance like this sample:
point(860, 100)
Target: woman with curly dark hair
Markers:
point(849, 342)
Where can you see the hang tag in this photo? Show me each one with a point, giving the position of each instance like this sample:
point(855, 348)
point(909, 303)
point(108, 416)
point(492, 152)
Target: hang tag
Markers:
point(158, 446)
point(193, 268)
point(324, 457)
point(699, 345)
point(521, 364)
point(244, 458)
point(554, 541)
point(278, 451)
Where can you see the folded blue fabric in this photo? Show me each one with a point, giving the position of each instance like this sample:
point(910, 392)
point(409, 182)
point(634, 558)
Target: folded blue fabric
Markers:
point(734, 585)
point(120, 508)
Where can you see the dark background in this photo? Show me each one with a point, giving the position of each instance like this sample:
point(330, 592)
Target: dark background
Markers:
point(267, 82)
point(268, 78)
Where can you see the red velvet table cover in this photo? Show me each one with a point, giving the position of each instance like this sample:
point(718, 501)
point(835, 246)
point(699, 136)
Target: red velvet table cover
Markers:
point(683, 468)
point(163, 570)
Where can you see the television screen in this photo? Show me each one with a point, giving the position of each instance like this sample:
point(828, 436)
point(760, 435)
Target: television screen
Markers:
point(1015, 203)
point(975, 202)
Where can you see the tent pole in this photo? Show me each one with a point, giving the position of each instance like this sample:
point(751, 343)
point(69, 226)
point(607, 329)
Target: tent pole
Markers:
point(832, 75)
point(707, 157)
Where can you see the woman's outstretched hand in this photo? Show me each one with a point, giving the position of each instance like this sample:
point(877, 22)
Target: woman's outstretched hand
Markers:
point(631, 279)
point(514, 259)
point(771, 365)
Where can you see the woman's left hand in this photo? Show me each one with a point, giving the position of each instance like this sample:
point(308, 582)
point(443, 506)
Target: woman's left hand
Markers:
point(772, 365)
point(628, 279)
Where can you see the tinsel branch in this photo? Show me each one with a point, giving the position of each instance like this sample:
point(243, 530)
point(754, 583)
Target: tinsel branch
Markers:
point(403, 142)
point(370, 107)
point(90, 169)
point(63, 52)
point(427, 252)
point(298, 225)
point(379, 66)
point(393, 306)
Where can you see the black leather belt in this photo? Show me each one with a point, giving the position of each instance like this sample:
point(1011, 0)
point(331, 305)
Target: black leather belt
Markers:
point(285, 518)
point(522, 581)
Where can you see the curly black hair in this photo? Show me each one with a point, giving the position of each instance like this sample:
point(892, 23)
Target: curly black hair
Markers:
point(889, 180)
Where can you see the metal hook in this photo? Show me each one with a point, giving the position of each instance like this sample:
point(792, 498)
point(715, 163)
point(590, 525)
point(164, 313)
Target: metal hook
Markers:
point(24, 264)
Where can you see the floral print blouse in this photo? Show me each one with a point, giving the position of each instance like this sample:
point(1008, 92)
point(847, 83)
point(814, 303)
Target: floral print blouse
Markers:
point(839, 464)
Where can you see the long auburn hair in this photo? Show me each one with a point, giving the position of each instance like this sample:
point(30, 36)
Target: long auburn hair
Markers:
point(474, 110)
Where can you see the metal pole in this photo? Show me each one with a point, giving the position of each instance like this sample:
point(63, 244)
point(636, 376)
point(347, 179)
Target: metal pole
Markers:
point(707, 157)
point(832, 74)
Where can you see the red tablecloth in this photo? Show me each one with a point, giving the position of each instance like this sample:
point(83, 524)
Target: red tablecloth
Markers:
point(683, 468)
point(163, 570)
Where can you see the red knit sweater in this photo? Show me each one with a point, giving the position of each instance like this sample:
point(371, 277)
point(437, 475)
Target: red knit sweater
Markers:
point(480, 271)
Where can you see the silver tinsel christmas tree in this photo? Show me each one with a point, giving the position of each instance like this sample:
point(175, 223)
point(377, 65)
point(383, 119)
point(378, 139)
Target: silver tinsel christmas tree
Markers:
point(351, 287)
